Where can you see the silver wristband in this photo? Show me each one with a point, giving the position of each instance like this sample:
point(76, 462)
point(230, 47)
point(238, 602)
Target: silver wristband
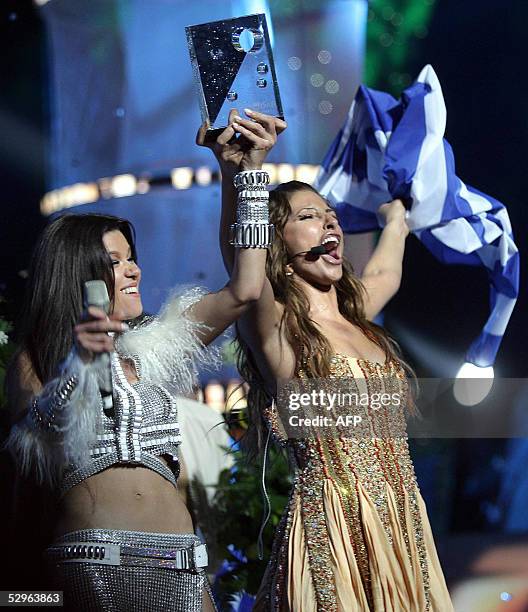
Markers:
point(252, 235)
point(252, 228)
point(252, 212)
point(250, 178)
point(253, 195)
point(44, 411)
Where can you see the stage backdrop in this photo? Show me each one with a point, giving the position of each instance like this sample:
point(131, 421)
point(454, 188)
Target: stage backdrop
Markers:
point(122, 101)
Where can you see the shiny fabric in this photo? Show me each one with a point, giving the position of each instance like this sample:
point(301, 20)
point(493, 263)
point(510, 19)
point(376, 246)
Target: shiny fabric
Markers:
point(143, 428)
point(355, 536)
point(95, 587)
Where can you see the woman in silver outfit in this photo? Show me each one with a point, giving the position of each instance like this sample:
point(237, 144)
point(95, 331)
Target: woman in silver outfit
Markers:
point(123, 538)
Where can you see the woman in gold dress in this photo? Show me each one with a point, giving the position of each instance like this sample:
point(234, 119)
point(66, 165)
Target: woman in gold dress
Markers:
point(355, 535)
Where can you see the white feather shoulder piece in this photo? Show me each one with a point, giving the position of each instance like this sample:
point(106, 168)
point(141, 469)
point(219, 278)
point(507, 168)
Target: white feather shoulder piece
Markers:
point(169, 347)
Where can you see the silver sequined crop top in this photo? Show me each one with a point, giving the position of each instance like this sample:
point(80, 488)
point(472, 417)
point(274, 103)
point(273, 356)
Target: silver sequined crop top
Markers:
point(76, 440)
point(143, 428)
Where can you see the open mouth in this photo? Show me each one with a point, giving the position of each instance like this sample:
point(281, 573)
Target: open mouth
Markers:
point(331, 243)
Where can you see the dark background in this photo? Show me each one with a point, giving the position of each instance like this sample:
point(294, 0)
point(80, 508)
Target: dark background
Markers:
point(477, 49)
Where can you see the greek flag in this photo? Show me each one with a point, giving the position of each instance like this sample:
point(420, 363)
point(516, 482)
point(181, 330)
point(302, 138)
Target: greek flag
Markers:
point(391, 149)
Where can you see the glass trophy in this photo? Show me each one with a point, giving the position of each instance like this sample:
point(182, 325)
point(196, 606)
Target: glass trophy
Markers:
point(233, 67)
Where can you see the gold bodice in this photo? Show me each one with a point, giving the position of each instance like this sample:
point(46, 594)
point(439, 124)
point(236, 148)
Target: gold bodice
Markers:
point(381, 396)
point(374, 458)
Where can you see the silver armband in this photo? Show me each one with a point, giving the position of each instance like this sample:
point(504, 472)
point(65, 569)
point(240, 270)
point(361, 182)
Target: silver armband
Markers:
point(250, 178)
point(44, 411)
point(252, 228)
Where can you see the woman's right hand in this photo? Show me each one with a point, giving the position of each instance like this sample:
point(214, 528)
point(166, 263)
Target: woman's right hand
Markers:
point(245, 143)
point(91, 336)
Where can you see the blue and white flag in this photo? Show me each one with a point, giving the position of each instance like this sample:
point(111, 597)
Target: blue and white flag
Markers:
point(391, 149)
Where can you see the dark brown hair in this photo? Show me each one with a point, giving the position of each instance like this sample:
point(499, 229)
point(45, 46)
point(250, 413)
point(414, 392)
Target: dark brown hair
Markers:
point(69, 252)
point(312, 349)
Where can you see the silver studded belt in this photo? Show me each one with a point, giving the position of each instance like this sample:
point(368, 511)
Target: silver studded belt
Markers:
point(191, 558)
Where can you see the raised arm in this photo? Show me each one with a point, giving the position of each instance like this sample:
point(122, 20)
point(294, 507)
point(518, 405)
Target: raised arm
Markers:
point(242, 146)
point(217, 311)
point(383, 272)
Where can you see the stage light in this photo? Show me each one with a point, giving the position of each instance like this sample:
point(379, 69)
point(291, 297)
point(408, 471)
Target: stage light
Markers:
point(71, 195)
point(142, 186)
point(105, 187)
point(285, 173)
point(215, 396)
point(472, 384)
point(66, 197)
point(332, 87)
point(271, 169)
point(86, 193)
point(325, 107)
point(294, 63)
point(324, 56)
point(49, 203)
point(317, 79)
point(181, 178)
point(306, 173)
point(203, 176)
point(123, 185)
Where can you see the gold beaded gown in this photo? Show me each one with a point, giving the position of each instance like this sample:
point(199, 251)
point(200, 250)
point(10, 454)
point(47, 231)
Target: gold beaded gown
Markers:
point(355, 536)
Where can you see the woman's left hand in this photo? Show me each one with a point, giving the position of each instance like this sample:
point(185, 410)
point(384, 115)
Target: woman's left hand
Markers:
point(245, 143)
point(393, 213)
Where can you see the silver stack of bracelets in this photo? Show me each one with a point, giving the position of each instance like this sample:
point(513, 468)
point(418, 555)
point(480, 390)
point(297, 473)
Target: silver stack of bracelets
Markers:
point(252, 228)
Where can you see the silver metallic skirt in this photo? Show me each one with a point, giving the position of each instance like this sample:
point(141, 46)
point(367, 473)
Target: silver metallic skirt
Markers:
point(130, 571)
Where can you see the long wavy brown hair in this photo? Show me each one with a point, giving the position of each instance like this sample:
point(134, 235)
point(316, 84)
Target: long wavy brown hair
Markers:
point(312, 350)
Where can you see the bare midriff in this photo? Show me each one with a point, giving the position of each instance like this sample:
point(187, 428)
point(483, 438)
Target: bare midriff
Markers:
point(124, 497)
point(127, 498)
